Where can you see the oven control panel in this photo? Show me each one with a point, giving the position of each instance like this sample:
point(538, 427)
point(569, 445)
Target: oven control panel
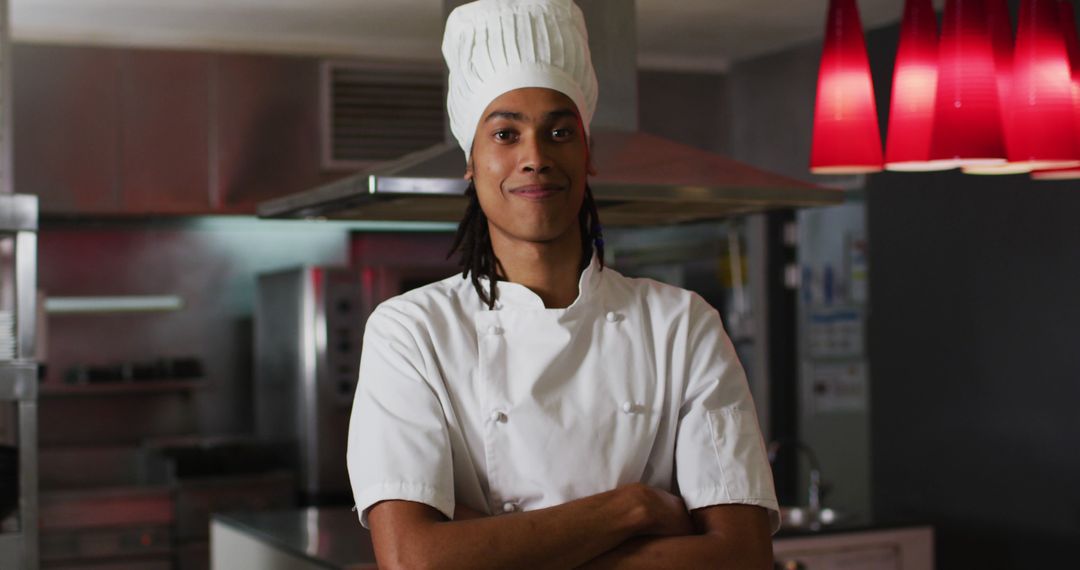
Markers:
point(344, 315)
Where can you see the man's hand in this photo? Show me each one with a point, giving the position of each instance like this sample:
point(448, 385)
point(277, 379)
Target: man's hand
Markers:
point(726, 536)
point(665, 514)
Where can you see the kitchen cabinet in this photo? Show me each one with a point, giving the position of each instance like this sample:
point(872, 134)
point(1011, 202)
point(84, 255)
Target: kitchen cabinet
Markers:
point(906, 548)
point(151, 505)
point(117, 527)
point(66, 108)
point(111, 131)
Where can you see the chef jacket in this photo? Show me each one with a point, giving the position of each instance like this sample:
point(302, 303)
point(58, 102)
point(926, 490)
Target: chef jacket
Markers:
point(524, 407)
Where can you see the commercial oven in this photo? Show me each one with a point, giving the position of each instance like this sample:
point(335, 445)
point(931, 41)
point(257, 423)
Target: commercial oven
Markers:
point(309, 325)
point(309, 322)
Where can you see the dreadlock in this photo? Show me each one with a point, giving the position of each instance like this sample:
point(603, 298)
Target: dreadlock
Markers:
point(478, 259)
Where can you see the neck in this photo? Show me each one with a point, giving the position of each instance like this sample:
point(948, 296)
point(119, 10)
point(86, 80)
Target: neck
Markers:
point(550, 269)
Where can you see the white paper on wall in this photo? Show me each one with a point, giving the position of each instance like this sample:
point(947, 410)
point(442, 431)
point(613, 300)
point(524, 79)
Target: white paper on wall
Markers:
point(836, 387)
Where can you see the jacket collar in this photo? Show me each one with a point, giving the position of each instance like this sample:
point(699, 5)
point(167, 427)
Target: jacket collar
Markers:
point(517, 296)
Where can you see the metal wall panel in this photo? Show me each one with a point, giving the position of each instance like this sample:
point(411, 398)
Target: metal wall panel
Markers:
point(67, 106)
point(267, 128)
point(165, 131)
point(136, 131)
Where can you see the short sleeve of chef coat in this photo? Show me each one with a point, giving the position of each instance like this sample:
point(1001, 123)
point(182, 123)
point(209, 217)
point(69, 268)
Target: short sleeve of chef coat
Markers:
point(719, 451)
point(399, 447)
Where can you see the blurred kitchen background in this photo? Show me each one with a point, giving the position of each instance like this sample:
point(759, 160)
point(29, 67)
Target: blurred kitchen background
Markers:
point(910, 347)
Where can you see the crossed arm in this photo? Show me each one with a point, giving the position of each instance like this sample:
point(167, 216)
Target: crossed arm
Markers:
point(633, 526)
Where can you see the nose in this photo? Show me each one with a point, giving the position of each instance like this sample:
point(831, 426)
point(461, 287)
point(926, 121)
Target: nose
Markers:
point(535, 155)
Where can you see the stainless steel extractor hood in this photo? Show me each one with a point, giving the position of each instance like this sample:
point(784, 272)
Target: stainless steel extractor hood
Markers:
point(643, 179)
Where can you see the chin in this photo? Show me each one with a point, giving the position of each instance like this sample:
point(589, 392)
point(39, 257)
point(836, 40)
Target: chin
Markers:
point(539, 236)
point(540, 233)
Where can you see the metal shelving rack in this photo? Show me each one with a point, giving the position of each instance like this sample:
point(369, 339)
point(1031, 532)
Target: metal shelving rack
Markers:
point(18, 283)
point(18, 376)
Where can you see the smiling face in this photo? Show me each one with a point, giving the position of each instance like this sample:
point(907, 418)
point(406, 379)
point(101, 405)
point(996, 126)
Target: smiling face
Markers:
point(529, 163)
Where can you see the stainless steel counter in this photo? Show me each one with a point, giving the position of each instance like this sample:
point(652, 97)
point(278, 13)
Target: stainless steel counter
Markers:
point(312, 537)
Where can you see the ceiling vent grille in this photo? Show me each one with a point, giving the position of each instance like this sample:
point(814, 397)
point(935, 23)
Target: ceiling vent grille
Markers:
point(377, 113)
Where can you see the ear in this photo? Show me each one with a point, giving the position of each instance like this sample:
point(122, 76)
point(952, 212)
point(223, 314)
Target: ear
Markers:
point(469, 169)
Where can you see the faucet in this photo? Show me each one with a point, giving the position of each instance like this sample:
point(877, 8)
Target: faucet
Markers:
point(814, 491)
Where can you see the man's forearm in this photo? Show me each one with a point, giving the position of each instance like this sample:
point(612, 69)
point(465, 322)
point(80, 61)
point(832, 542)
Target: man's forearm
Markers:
point(728, 536)
point(563, 536)
point(698, 551)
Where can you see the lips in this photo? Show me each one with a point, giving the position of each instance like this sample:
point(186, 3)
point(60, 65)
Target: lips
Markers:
point(537, 191)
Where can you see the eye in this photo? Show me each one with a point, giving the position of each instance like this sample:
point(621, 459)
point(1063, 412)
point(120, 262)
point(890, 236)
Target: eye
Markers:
point(504, 135)
point(562, 134)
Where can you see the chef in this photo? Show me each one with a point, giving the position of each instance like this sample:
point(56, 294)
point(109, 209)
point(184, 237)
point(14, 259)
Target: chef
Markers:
point(539, 409)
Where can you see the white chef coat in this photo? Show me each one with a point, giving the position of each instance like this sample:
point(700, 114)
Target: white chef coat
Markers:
point(524, 407)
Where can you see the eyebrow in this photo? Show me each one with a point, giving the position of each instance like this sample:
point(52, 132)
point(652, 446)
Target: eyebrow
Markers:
point(520, 117)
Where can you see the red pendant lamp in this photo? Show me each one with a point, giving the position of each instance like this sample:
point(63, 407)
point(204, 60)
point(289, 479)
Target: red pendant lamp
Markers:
point(1043, 120)
point(967, 115)
point(846, 135)
point(1001, 36)
point(1067, 19)
point(911, 112)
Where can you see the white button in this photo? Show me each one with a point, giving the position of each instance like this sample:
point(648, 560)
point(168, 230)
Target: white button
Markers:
point(508, 507)
point(494, 330)
point(498, 416)
point(612, 317)
point(628, 407)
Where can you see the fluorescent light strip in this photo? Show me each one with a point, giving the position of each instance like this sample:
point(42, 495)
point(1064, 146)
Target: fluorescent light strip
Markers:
point(125, 304)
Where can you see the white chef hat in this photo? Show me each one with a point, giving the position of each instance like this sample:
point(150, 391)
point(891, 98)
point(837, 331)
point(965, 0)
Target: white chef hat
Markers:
point(495, 46)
